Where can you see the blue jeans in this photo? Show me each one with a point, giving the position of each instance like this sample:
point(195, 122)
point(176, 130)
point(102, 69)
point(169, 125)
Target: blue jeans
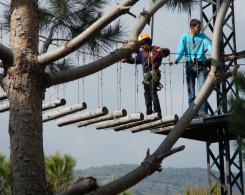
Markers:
point(191, 75)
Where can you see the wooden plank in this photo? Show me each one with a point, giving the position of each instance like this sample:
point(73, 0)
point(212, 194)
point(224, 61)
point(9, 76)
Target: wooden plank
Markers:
point(3, 96)
point(162, 122)
point(65, 111)
point(120, 121)
point(4, 107)
point(46, 106)
point(148, 118)
point(82, 116)
point(112, 115)
point(53, 104)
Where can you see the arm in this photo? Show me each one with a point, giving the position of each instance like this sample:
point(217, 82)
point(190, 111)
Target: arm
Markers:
point(135, 60)
point(157, 55)
point(180, 51)
point(207, 43)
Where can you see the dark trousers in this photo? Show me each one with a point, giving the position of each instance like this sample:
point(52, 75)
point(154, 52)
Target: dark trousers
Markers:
point(151, 96)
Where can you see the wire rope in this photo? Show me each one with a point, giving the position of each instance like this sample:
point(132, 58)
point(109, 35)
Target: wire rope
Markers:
point(119, 85)
point(136, 86)
point(83, 80)
point(165, 88)
point(78, 80)
point(170, 89)
point(102, 89)
point(183, 88)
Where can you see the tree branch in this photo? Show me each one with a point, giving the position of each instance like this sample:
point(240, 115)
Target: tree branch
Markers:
point(151, 164)
point(80, 186)
point(115, 56)
point(93, 67)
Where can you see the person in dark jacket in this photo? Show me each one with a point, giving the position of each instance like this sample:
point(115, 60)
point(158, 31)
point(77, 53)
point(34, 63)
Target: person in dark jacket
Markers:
point(151, 58)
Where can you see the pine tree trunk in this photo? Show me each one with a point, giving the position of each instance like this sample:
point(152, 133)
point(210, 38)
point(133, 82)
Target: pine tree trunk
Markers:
point(25, 93)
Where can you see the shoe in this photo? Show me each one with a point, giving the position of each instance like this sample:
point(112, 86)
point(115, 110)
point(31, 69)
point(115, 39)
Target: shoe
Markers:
point(203, 115)
point(197, 116)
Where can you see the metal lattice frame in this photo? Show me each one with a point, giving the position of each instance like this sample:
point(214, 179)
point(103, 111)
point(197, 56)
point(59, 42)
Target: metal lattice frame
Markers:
point(224, 168)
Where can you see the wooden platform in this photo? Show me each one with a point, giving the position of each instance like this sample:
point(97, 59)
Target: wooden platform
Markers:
point(208, 129)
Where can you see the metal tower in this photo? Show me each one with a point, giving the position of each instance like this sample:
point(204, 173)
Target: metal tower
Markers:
point(224, 165)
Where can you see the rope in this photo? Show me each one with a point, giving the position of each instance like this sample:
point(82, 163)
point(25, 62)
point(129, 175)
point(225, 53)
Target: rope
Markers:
point(119, 85)
point(170, 89)
point(102, 91)
point(183, 91)
point(1, 34)
point(98, 91)
point(136, 86)
point(83, 80)
point(78, 80)
point(165, 87)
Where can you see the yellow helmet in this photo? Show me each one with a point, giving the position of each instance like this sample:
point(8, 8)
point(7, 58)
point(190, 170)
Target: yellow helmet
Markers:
point(143, 36)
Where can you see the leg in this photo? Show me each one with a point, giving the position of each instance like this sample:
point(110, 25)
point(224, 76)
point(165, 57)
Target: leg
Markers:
point(201, 79)
point(190, 80)
point(156, 103)
point(148, 99)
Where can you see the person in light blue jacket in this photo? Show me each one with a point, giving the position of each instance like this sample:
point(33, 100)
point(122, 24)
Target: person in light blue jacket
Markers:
point(193, 46)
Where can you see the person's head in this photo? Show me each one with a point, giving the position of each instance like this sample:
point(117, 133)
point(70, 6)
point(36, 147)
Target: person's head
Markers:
point(145, 41)
point(195, 26)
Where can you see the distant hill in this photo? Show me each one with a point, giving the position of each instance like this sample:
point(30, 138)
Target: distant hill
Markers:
point(169, 181)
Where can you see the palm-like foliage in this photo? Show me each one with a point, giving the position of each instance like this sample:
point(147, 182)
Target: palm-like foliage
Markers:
point(181, 5)
point(68, 18)
point(59, 170)
point(5, 184)
point(60, 65)
point(237, 104)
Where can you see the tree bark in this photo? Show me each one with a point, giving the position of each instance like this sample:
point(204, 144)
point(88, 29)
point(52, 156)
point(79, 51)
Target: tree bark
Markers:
point(25, 94)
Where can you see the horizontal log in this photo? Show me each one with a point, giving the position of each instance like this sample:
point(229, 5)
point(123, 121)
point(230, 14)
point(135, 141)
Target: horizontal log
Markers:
point(163, 129)
point(54, 104)
point(148, 118)
point(4, 107)
point(120, 121)
point(3, 96)
point(64, 111)
point(162, 122)
point(83, 116)
point(46, 106)
point(112, 115)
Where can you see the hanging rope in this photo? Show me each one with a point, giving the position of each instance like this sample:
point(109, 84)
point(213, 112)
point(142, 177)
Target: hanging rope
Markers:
point(136, 87)
point(165, 88)
point(170, 89)
point(119, 85)
point(83, 80)
point(1, 34)
point(183, 88)
point(78, 80)
point(101, 85)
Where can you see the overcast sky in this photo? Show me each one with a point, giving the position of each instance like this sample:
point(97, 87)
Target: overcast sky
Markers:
point(91, 147)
